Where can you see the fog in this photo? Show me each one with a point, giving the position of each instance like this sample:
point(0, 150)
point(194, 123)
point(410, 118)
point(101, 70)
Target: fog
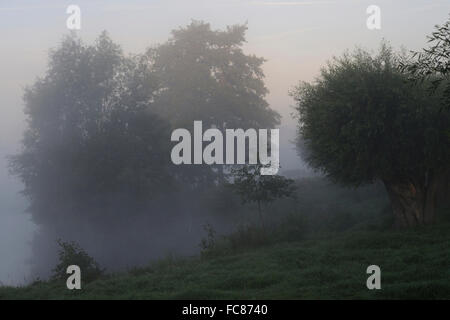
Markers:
point(296, 38)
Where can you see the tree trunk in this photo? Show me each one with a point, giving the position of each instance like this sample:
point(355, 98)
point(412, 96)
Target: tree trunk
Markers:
point(413, 204)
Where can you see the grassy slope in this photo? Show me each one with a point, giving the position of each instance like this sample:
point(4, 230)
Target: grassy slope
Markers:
point(414, 264)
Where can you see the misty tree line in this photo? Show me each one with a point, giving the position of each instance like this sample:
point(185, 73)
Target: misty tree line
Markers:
point(96, 156)
point(99, 122)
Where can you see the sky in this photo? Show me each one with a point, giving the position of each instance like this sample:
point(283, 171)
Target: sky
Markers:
point(296, 37)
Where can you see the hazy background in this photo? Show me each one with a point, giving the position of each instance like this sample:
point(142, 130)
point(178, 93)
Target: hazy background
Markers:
point(295, 37)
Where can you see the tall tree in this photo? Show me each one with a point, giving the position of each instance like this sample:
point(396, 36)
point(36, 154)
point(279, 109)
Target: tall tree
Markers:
point(361, 120)
point(92, 147)
point(205, 75)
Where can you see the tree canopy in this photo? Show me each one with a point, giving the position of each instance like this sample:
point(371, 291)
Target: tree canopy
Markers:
point(91, 138)
point(205, 75)
point(362, 120)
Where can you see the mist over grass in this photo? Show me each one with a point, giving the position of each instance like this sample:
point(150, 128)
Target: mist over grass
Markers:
point(94, 167)
point(414, 265)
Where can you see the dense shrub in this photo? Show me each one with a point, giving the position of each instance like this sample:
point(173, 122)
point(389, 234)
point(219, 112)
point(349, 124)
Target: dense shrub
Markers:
point(71, 253)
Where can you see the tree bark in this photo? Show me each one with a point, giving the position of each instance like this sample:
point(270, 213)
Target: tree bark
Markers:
point(413, 203)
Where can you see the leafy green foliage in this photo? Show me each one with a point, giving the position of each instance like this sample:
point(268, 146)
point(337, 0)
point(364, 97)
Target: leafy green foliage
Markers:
point(71, 253)
point(361, 120)
point(433, 62)
point(253, 187)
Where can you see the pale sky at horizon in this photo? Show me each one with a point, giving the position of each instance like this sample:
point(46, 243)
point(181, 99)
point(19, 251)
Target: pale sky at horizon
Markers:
point(296, 38)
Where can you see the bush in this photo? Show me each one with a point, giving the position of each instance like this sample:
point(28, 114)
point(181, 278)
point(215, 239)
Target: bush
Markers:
point(71, 253)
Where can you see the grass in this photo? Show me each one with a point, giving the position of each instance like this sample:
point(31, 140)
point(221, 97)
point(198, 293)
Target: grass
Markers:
point(414, 265)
